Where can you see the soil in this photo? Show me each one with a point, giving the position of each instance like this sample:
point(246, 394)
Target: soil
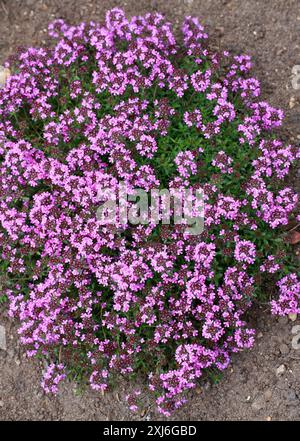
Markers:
point(261, 384)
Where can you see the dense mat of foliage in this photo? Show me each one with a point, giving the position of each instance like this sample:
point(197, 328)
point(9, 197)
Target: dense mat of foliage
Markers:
point(125, 101)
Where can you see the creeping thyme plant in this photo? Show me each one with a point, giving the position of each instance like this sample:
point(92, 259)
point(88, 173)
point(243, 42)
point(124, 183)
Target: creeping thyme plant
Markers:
point(126, 101)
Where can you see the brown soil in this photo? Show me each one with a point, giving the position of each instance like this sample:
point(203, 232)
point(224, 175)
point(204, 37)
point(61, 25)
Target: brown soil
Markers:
point(251, 389)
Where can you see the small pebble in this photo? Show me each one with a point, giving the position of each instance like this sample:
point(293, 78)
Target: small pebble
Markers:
point(268, 394)
point(291, 395)
point(281, 369)
point(2, 338)
point(296, 329)
point(4, 75)
point(284, 349)
point(292, 102)
point(296, 338)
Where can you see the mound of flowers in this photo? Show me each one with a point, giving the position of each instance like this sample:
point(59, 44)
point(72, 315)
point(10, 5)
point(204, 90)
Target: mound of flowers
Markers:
point(124, 101)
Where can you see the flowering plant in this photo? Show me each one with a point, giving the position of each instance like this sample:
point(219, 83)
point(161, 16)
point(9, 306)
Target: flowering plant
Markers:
point(125, 101)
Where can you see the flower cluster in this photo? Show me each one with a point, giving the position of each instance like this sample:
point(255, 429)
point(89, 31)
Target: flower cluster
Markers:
point(52, 377)
point(289, 296)
point(125, 101)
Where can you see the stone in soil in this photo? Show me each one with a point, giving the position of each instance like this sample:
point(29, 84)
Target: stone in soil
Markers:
point(280, 370)
point(2, 338)
point(284, 349)
point(268, 394)
point(4, 74)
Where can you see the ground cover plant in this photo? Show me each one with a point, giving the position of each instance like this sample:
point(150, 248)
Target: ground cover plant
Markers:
point(126, 101)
